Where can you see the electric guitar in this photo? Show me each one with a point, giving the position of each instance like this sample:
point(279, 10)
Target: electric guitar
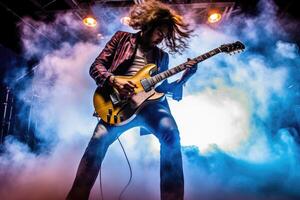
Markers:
point(117, 110)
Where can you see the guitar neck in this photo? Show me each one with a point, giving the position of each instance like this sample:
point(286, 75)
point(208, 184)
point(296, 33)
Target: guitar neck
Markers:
point(170, 72)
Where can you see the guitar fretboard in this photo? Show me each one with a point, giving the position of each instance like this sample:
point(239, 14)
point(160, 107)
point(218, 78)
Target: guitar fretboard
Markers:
point(170, 72)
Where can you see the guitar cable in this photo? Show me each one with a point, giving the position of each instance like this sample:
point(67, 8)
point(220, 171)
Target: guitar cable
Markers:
point(130, 171)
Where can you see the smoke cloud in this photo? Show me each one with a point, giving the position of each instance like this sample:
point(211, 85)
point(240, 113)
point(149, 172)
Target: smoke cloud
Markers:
point(237, 118)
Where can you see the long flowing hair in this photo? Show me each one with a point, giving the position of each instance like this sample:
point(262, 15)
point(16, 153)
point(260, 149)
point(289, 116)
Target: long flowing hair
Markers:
point(152, 13)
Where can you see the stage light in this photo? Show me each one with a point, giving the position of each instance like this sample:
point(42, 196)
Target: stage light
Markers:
point(90, 21)
point(214, 17)
point(125, 20)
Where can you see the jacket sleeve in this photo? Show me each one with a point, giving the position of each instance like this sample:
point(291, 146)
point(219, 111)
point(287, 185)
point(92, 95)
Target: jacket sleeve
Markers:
point(99, 70)
point(175, 88)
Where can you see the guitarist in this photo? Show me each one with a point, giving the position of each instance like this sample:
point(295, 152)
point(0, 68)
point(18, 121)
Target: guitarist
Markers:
point(125, 54)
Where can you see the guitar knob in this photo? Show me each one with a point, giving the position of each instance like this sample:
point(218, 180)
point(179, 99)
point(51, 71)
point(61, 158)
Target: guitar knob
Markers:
point(121, 118)
point(115, 118)
point(110, 111)
point(108, 117)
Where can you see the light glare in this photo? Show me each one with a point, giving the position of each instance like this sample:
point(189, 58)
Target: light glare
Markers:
point(215, 118)
point(90, 22)
point(125, 20)
point(214, 17)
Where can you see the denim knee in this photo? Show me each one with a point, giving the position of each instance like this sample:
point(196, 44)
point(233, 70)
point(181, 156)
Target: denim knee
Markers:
point(169, 136)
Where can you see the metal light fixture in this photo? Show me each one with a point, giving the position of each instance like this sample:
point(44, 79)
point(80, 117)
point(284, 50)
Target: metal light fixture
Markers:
point(214, 16)
point(90, 21)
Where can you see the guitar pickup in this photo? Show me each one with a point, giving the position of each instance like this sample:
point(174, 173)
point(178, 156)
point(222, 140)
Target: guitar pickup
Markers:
point(146, 84)
point(115, 98)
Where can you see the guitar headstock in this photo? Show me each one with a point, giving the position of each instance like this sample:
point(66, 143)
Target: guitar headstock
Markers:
point(232, 47)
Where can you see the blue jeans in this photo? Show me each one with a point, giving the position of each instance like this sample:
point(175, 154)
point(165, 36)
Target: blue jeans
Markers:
point(157, 119)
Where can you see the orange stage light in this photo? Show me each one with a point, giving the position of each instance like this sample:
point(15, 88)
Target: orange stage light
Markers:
point(214, 17)
point(90, 21)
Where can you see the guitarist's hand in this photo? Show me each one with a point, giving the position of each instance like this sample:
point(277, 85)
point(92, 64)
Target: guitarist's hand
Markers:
point(192, 64)
point(191, 69)
point(124, 87)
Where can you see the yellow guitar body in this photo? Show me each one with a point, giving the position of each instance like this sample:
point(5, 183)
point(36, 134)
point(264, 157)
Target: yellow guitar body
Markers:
point(114, 110)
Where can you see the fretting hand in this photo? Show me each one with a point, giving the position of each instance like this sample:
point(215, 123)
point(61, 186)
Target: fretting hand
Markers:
point(191, 69)
point(191, 63)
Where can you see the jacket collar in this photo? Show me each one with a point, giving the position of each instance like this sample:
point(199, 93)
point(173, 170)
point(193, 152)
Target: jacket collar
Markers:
point(135, 37)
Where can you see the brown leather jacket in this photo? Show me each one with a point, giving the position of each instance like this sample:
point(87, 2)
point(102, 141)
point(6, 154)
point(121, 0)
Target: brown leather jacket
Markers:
point(118, 55)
